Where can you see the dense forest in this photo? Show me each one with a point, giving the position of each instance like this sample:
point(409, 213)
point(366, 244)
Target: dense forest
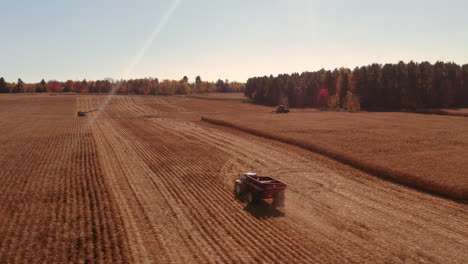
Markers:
point(391, 86)
point(137, 86)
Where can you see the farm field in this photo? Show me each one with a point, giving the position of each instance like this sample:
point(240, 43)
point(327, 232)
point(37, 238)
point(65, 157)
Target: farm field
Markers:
point(426, 151)
point(144, 181)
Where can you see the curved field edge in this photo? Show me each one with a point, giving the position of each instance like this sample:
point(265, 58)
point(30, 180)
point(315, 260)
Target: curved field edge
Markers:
point(453, 192)
point(215, 98)
point(441, 112)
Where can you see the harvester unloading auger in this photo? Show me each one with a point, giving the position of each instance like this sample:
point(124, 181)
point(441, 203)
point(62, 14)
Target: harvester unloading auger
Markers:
point(80, 113)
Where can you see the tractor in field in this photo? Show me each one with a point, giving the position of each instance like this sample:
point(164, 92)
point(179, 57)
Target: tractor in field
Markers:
point(81, 114)
point(281, 109)
point(254, 188)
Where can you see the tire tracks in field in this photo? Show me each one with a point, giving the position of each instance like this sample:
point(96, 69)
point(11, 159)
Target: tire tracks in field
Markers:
point(173, 207)
point(229, 145)
point(208, 196)
point(55, 197)
point(159, 170)
point(134, 191)
point(33, 191)
point(395, 201)
point(205, 230)
point(389, 205)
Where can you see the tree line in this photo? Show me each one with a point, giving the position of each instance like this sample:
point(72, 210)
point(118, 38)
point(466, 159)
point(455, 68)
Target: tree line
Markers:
point(146, 86)
point(391, 86)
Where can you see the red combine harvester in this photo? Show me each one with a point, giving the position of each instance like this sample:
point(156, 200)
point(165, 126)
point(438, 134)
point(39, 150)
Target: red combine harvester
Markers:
point(253, 188)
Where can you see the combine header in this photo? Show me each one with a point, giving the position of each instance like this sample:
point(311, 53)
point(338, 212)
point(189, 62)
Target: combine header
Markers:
point(80, 113)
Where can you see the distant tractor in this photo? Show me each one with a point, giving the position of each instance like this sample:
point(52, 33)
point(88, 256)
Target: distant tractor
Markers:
point(281, 109)
point(80, 113)
point(254, 188)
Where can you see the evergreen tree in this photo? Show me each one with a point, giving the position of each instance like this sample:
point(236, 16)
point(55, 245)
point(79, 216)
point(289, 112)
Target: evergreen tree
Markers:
point(41, 87)
point(438, 84)
point(3, 86)
point(464, 86)
point(411, 95)
point(198, 84)
point(19, 87)
point(390, 96)
point(426, 90)
point(391, 86)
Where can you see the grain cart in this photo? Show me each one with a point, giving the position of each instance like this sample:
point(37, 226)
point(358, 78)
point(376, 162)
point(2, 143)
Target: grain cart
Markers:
point(280, 109)
point(80, 113)
point(253, 188)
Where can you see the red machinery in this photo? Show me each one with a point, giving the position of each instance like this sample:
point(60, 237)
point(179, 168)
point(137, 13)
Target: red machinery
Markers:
point(254, 188)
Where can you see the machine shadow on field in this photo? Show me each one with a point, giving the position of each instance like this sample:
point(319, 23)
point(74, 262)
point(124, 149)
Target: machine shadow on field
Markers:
point(263, 210)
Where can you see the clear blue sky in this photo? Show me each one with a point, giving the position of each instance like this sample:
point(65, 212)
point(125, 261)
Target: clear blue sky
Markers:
point(233, 40)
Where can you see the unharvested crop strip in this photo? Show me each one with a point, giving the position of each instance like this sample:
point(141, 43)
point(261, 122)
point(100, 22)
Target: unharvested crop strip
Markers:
point(382, 172)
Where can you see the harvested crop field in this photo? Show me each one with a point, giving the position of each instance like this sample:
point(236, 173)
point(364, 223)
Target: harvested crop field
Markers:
point(425, 151)
point(144, 181)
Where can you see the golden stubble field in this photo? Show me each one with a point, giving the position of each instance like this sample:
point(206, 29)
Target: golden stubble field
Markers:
point(424, 151)
point(144, 181)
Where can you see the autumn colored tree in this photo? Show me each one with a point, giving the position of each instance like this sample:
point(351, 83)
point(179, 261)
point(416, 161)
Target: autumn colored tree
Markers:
point(236, 87)
point(403, 85)
point(155, 89)
point(351, 102)
point(391, 86)
point(183, 88)
point(92, 88)
point(342, 87)
point(68, 86)
point(322, 98)
point(54, 87)
point(169, 87)
point(210, 87)
point(105, 86)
